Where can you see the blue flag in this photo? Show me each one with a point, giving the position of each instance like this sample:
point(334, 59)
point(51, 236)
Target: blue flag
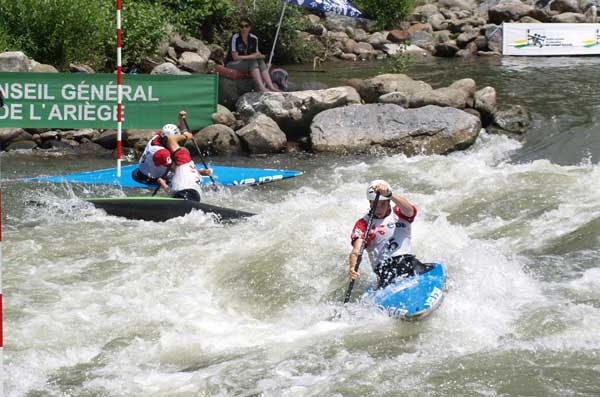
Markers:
point(341, 7)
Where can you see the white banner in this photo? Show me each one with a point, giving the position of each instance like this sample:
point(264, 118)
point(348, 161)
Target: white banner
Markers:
point(551, 39)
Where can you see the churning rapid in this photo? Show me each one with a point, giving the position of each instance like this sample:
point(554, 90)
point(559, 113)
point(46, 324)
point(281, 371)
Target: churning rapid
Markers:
point(102, 306)
point(98, 305)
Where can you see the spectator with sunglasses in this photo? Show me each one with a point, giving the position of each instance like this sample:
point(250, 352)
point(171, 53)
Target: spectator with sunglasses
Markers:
point(243, 55)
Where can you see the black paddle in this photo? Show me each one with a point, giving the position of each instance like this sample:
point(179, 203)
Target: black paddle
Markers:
point(199, 152)
point(362, 246)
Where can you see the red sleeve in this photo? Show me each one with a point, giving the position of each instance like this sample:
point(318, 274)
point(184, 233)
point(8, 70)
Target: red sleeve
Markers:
point(181, 156)
point(406, 218)
point(162, 157)
point(360, 227)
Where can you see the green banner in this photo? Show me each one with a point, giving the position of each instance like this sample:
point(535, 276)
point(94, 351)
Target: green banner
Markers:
point(74, 100)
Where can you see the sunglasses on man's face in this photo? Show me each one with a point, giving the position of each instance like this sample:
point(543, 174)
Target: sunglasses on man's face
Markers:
point(244, 25)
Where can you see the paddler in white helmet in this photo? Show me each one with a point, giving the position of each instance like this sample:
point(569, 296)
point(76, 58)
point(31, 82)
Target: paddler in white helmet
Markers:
point(160, 158)
point(187, 179)
point(155, 162)
point(389, 240)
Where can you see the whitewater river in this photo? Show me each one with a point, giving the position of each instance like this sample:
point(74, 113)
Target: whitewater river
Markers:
point(102, 306)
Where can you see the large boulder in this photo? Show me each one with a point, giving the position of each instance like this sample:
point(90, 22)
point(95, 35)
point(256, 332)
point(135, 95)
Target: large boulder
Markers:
point(493, 34)
point(194, 62)
point(14, 61)
point(569, 17)
point(458, 95)
point(262, 135)
point(223, 116)
point(485, 104)
point(134, 137)
point(514, 118)
point(294, 111)
point(430, 129)
point(231, 90)
point(371, 89)
point(8, 134)
point(508, 11)
point(219, 139)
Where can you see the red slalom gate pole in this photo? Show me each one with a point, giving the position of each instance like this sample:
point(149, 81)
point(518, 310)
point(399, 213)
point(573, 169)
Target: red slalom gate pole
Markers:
point(119, 91)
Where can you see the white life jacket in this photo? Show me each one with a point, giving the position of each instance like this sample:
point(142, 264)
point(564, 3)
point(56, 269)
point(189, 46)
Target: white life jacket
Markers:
point(388, 237)
point(186, 176)
point(155, 160)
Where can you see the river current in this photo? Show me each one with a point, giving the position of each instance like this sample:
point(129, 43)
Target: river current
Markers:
point(103, 306)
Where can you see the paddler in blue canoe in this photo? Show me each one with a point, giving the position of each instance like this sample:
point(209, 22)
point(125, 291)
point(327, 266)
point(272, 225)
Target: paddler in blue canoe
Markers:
point(166, 163)
point(389, 240)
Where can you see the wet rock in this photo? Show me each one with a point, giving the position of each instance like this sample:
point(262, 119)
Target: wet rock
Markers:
point(514, 118)
point(131, 137)
point(493, 34)
point(262, 135)
point(21, 145)
point(371, 89)
point(219, 139)
point(8, 134)
point(231, 90)
point(485, 103)
point(430, 129)
point(294, 111)
point(223, 116)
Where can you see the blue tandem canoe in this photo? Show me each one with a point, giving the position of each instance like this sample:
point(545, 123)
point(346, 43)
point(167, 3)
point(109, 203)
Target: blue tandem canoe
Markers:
point(227, 176)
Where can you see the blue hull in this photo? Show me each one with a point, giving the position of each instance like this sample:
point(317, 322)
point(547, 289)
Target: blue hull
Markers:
point(412, 297)
point(224, 175)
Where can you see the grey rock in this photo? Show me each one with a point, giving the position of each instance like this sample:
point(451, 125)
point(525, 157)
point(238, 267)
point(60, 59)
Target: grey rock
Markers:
point(485, 104)
point(8, 134)
point(371, 89)
point(262, 135)
point(223, 116)
point(219, 139)
point(514, 118)
point(294, 111)
point(168, 68)
point(430, 129)
point(21, 145)
point(14, 61)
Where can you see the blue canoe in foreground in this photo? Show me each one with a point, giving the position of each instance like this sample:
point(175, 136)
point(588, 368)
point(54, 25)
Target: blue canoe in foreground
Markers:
point(227, 176)
point(411, 297)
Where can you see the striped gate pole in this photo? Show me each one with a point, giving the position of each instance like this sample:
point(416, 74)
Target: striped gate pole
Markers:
point(119, 90)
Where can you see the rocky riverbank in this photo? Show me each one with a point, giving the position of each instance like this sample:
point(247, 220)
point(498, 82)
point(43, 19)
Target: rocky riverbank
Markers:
point(390, 111)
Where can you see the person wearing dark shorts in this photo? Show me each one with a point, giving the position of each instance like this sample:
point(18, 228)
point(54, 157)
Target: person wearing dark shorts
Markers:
point(243, 55)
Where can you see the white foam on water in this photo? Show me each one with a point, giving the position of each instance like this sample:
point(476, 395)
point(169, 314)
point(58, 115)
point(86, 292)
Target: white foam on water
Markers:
point(193, 306)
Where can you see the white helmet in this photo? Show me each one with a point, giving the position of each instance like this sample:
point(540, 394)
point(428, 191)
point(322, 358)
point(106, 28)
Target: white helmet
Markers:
point(168, 130)
point(371, 190)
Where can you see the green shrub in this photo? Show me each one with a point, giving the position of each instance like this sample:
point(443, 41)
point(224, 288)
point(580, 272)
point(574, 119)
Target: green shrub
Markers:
point(144, 26)
point(387, 13)
point(58, 31)
point(398, 63)
point(198, 18)
point(264, 18)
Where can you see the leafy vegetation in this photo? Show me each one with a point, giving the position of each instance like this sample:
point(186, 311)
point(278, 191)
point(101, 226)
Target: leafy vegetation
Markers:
point(59, 32)
point(387, 13)
point(398, 63)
